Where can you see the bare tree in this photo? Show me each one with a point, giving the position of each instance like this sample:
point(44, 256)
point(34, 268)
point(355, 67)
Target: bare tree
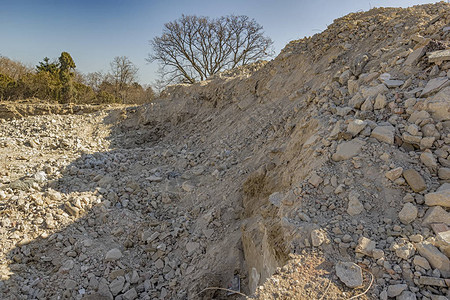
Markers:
point(123, 73)
point(194, 48)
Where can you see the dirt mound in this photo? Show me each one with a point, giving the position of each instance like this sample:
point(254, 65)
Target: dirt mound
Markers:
point(322, 174)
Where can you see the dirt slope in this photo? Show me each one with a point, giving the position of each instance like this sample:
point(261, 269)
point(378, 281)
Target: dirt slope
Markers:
point(322, 174)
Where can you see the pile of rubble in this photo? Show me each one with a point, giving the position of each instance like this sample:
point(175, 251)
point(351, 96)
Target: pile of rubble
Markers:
point(322, 174)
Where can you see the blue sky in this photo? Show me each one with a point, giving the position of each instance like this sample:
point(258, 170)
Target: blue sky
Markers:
point(96, 31)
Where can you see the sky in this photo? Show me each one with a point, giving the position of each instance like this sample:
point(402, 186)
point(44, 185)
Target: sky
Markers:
point(96, 31)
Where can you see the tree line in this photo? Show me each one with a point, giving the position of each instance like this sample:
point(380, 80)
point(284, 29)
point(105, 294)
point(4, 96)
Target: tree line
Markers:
point(190, 49)
point(59, 81)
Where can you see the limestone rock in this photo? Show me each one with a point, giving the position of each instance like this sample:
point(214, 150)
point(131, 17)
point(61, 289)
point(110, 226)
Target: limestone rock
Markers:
point(429, 160)
point(441, 198)
point(365, 246)
point(414, 57)
point(394, 173)
point(350, 274)
point(356, 126)
point(439, 106)
point(408, 213)
point(347, 150)
point(380, 102)
point(444, 173)
point(435, 257)
point(414, 180)
point(436, 214)
point(421, 262)
point(434, 85)
point(113, 255)
point(407, 295)
point(384, 134)
point(355, 207)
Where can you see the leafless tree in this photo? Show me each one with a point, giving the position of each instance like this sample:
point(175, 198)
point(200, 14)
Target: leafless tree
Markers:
point(194, 48)
point(123, 73)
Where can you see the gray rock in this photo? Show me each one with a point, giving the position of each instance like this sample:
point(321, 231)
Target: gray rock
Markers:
point(350, 274)
point(113, 255)
point(130, 294)
point(407, 295)
point(347, 150)
point(384, 134)
point(117, 285)
point(434, 85)
point(356, 126)
point(396, 289)
point(392, 83)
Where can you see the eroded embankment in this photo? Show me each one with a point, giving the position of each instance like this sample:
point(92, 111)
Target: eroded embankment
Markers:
point(331, 162)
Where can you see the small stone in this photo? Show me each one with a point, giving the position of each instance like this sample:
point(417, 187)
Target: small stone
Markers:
point(154, 178)
point(380, 102)
point(429, 160)
point(365, 246)
point(434, 85)
point(392, 83)
point(427, 280)
point(356, 126)
point(436, 214)
point(408, 213)
point(315, 180)
point(113, 255)
point(117, 285)
point(421, 262)
point(384, 134)
point(407, 295)
point(191, 247)
point(130, 294)
point(187, 187)
point(415, 180)
point(350, 274)
point(377, 253)
point(396, 289)
point(318, 237)
point(394, 173)
point(405, 251)
point(355, 207)
point(441, 198)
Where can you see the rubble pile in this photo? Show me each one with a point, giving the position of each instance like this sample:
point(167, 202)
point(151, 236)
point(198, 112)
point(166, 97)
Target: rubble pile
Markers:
point(322, 174)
